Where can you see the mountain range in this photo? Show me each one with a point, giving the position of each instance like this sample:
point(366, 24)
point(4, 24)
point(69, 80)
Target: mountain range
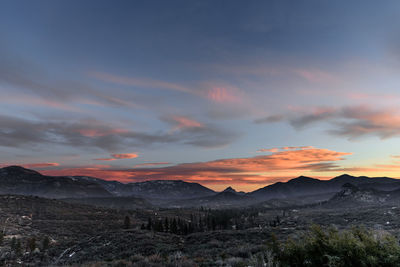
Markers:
point(21, 181)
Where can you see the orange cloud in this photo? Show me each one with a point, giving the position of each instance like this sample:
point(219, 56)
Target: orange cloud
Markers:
point(268, 150)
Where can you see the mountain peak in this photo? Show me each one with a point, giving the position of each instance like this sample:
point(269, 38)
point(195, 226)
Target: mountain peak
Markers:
point(14, 169)
point(302, 179)
point(344, 176)
point(229, 189)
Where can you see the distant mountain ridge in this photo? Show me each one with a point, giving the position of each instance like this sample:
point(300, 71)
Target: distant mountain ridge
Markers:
point(18, 180)
point(21, 181)
point(159, 189)
point(306, 186)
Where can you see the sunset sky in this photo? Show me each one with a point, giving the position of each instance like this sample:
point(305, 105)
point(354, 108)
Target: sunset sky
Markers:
point(240, 93)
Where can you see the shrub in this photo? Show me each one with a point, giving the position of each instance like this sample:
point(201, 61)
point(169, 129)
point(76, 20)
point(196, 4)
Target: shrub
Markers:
point(355, 247)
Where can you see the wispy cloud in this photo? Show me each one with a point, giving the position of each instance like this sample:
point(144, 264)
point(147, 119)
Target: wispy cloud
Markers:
point(351, 122)
point(140, 82)
point(316, 76)
point(35, 86)
point(273, 150)
point(270, 119)
point(106, 136)
point(125, 156)
point(147, 164)
point(119, 156)
point(182, 122)
point(106, 159)
point(223, 95)
point(214, 91)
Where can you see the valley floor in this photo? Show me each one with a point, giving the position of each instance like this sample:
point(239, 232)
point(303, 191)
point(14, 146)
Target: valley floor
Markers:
point(44, 232)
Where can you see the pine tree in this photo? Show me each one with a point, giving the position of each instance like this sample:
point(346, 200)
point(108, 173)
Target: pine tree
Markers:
point(32, 244)
point(13, 243)
point(127, 222)
point(166, 225)
point(149, 224)
point(18, 248)
point(174, 227)
point(214, 224)
point(45, 243)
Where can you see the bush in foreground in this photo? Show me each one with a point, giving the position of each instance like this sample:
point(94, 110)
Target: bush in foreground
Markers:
point(355, 247)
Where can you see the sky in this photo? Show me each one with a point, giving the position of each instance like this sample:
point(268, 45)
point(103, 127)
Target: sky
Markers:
point(223, 93)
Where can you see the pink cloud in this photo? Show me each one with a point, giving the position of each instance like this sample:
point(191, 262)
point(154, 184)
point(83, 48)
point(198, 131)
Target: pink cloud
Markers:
point(93, 132)
point(106, 159)
point(180, 122)
point(209, 90)
point(41, 165)
point(39, 102)
point(222, 95)
point(185, 122)
point(119, 156)
point(316, 75)
point(125, 156)
point(140, 82)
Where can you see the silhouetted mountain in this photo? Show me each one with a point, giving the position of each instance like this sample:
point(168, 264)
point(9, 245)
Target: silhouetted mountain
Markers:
point(114, 187)
point(157, 189)
point(20, 181)
point(293, 188)
point(306, 186)
point(169, 189)
point(229, 189)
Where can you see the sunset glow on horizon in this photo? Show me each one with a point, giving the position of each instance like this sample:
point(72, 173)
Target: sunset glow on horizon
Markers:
point(222, 93)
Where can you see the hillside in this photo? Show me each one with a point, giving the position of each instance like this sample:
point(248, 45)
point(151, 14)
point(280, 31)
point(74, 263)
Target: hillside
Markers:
point(21, 181)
